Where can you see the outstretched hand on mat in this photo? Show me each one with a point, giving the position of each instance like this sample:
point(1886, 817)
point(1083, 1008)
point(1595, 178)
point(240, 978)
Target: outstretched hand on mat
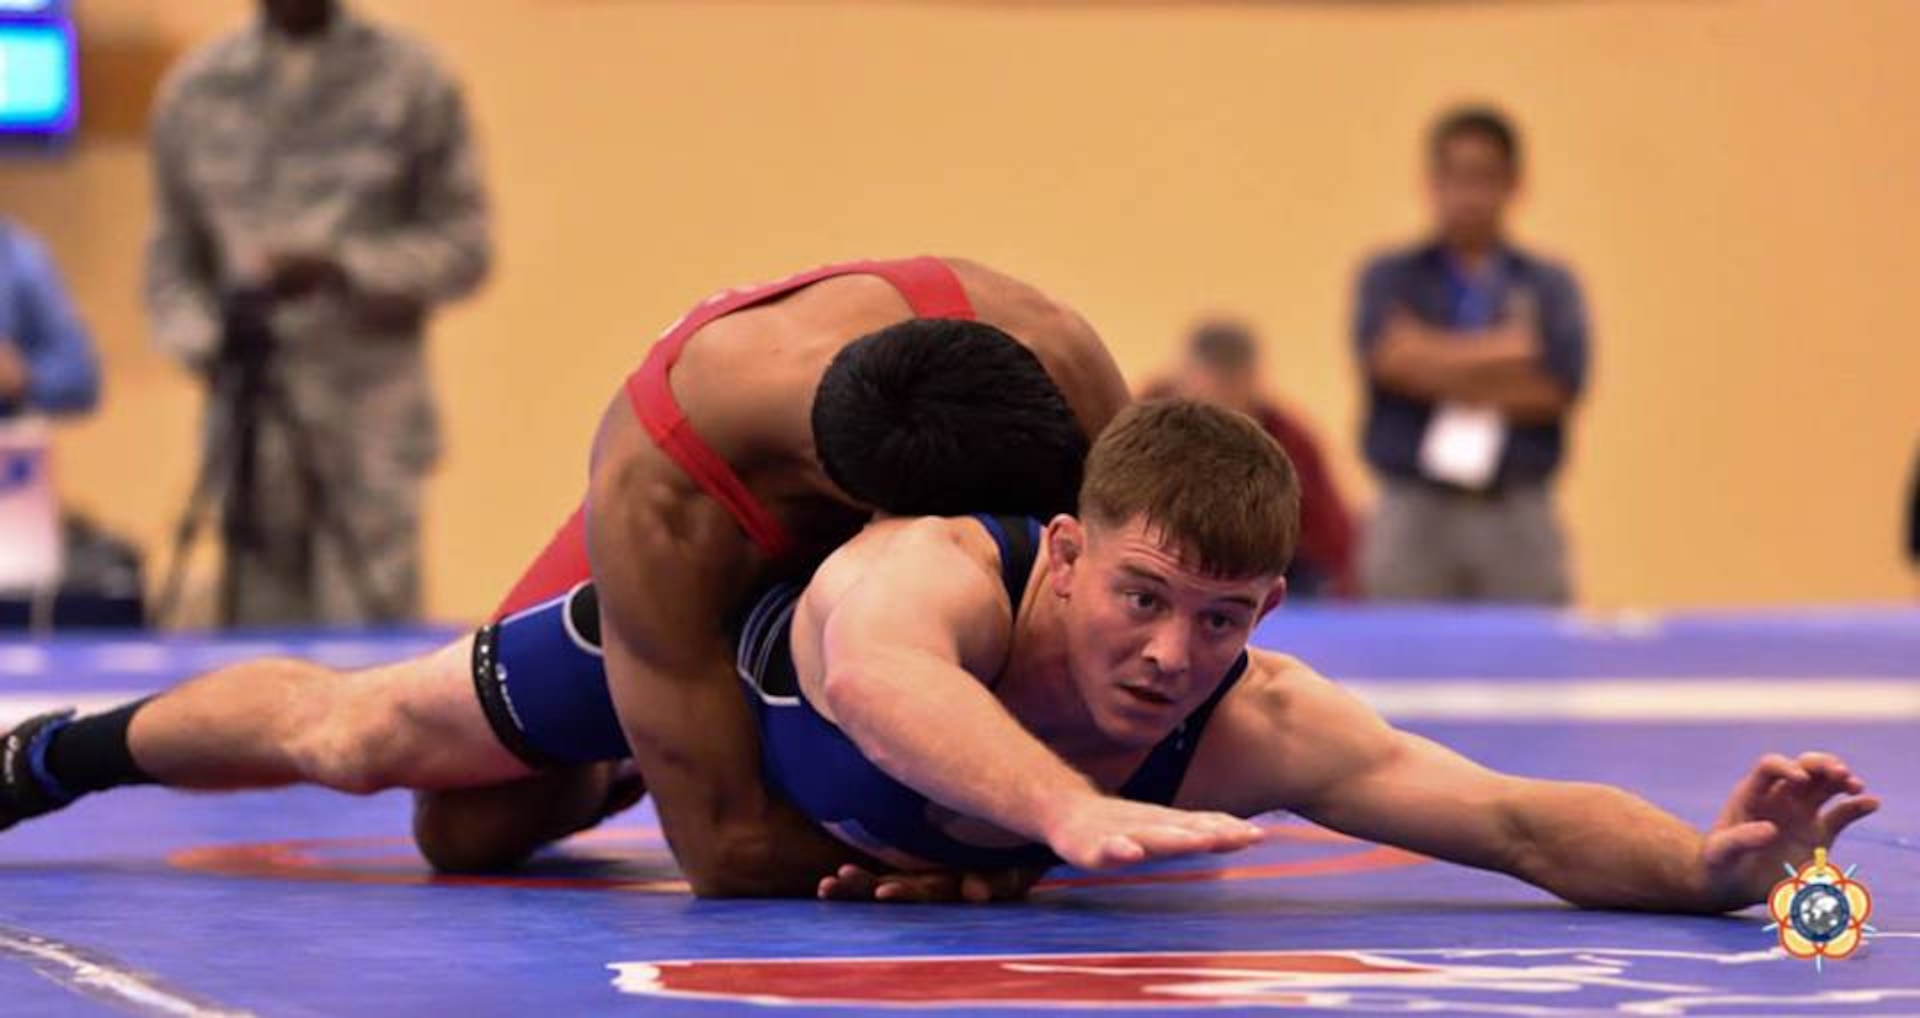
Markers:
point(1775, 816)
point(1094, 832)
point(1101, 832)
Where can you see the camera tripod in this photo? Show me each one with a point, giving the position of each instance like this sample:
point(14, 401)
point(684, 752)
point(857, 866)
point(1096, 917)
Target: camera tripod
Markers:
point(243, 383)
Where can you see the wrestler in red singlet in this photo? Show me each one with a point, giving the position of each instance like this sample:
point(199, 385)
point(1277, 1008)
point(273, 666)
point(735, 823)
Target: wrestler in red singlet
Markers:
point(930, 289)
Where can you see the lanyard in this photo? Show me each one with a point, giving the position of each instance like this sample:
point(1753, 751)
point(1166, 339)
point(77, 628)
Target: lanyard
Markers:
point(1475, 301)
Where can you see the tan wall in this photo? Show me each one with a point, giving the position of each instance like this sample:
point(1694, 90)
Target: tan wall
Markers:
point(1736, 183)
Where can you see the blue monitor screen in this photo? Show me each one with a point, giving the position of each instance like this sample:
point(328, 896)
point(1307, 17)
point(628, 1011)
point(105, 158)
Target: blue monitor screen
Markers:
point(37, 90)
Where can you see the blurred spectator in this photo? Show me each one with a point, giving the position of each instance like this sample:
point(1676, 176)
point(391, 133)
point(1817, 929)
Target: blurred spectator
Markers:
point(47, 365)
point(1913, 516)
point(316, 195)
point(1222, 366)
point(1474, 351)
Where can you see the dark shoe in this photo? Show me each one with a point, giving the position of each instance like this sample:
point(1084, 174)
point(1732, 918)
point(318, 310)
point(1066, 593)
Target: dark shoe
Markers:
point(21, 794)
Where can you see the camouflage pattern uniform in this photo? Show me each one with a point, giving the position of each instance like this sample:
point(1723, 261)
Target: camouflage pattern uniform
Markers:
point(353, 145)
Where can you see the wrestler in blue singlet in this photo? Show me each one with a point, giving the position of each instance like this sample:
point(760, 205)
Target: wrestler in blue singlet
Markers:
point(543, 685)
point(818, 768)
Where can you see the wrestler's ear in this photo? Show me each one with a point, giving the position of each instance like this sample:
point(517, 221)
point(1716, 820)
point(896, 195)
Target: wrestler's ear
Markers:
point(1066, 546)
point(1274, 597)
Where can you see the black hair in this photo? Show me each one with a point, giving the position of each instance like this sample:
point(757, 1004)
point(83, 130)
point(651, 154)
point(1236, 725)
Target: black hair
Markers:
point(941, 417)
point(1476, 122)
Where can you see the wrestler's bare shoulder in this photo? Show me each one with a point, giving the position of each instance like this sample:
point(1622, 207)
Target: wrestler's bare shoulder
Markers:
point(1275, 687)
point(951, 546)
point(1066, 343)
point(1008, 301)
point(1275, 739)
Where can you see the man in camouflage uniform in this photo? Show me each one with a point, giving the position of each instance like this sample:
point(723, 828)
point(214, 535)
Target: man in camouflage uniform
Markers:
point(318, 169)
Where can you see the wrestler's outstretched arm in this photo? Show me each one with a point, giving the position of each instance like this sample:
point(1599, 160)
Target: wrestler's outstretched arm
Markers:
point(666, 570)
point(1305, 745)
point(900, 647)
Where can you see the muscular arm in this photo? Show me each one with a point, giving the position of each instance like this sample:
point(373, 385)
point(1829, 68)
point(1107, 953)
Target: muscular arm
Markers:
point(1331, 759)
point(1090, 379)
point(1592, 845)
point(666, 569)
point(1066, 343)
point(899, 648)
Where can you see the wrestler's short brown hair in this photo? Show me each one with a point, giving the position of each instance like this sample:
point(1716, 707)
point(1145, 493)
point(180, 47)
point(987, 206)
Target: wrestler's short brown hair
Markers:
point(1209, 481)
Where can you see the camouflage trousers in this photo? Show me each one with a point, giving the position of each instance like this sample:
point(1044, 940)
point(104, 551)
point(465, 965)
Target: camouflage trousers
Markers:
point(333, 537)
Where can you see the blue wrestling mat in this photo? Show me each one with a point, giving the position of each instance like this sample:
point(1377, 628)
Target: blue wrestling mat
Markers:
point(308, 903)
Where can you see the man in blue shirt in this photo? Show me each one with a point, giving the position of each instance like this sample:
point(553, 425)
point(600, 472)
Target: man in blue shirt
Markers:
point(1474, 353)
point(46, 358)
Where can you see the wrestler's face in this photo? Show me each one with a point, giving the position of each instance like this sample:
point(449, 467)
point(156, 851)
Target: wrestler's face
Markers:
point(1149, 637)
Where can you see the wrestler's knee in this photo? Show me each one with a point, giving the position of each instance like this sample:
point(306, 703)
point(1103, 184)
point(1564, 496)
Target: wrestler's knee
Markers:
point(460, 832)
point(498, 826)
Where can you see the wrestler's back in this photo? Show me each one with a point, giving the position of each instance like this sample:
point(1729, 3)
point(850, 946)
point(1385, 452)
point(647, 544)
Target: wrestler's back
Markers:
point(746, 380)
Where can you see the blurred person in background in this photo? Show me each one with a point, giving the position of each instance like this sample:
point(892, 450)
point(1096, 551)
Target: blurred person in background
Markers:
point(1913, 517)
point(316, 196)
point(47, 369)
point(47, 363)
point(1222, 366)
point(1474, 352)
